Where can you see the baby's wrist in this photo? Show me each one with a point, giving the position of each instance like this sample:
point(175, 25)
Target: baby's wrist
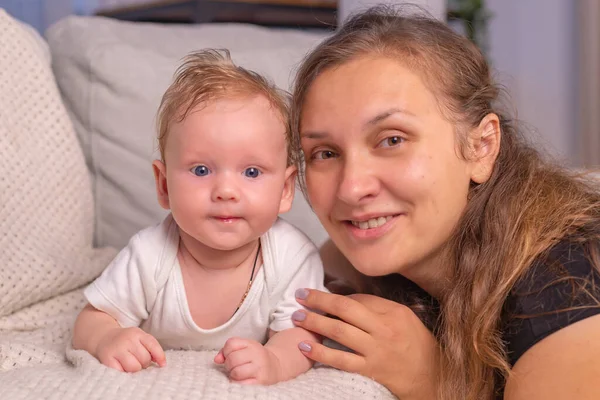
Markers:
point(274, 365)
point(99, 339)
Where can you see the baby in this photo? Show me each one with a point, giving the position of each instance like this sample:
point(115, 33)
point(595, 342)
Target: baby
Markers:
point(221, 270)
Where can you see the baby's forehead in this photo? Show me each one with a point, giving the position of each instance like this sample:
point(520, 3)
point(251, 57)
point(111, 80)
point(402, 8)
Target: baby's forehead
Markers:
point(225, 120)
point(244, 106)
point(250, 120)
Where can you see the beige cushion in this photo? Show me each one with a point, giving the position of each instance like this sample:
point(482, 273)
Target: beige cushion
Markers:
point(112, 75)
point(46, 204)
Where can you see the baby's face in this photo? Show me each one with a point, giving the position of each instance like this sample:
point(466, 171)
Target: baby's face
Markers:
point(226, 171)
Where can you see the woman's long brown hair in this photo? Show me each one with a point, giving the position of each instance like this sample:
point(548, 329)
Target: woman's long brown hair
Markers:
point(527, 206)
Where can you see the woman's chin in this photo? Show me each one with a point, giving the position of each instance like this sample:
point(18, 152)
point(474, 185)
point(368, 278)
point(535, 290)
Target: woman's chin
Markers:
point(373, 268)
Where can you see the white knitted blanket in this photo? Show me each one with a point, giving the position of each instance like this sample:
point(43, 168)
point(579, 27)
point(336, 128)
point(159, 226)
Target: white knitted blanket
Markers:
point(46, 256)
point(34, 365)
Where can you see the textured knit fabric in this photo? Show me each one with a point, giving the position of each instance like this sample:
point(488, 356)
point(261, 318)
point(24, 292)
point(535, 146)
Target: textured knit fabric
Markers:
point(33, 365)
point(46, 204)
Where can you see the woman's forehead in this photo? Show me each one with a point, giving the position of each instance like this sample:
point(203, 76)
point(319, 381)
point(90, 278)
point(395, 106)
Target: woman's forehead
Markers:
point(369, 86)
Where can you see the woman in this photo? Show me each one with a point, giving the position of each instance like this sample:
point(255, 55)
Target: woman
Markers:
point(416, 173)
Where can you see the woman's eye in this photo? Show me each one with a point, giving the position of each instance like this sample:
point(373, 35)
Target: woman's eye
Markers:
point(323, 155)
point(201, 170)
point(391, 141)
point(252, 172)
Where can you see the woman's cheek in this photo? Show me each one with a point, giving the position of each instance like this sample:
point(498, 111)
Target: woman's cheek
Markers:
point(319, 182)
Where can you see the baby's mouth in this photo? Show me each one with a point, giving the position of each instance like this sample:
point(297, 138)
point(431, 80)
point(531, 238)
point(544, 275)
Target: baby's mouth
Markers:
point(226, 218)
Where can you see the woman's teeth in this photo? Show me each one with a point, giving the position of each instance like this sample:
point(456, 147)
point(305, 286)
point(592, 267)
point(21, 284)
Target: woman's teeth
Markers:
point(372, 223)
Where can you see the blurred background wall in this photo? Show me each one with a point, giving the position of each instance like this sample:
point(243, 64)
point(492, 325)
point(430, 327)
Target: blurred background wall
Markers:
point(546, 52)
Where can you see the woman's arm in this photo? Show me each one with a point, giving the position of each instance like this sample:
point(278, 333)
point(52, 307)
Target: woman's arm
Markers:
point(564, 365)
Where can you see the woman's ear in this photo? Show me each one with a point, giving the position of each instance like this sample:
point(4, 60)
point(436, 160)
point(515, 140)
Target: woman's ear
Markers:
point(484, 145)
point(160, 178)
point(289, 189)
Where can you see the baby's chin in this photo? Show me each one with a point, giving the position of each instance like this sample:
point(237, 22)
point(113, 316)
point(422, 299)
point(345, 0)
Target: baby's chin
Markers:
point(223, 241)
point(228, 246)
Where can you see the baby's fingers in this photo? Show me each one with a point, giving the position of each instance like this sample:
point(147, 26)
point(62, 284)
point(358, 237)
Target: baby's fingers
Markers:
point(243, 372)
point(234, 344)
point(238, 358)
point(113, 363)
point(154, 348)
point(129, 362)
point(142, 354)
point(219, 358)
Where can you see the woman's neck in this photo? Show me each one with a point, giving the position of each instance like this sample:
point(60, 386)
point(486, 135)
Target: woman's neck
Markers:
point(431, 274)
point(209, 258)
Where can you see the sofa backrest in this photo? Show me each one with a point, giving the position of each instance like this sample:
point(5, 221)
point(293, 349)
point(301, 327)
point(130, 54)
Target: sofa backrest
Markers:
point(112, 75)
point(46, 203)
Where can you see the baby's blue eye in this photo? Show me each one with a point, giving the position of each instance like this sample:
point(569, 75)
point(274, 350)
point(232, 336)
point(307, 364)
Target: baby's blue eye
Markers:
point(252, 172)
point(201, 170)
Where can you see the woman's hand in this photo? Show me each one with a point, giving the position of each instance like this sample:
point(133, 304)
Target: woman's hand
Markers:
point(391, 344)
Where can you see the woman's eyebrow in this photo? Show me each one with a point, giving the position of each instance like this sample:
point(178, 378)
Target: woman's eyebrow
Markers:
point(373, 121)
point(386, 114)
point(313, 135)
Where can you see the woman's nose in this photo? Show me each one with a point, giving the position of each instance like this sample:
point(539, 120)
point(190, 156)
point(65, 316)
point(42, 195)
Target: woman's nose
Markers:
point(359, 182)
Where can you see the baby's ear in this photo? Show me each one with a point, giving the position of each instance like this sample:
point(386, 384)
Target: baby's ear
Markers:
point(160, 178)
point(289, 189)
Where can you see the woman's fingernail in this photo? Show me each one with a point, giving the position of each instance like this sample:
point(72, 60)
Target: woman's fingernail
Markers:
point(304, 346)
point(301, 294)
point(298, 315)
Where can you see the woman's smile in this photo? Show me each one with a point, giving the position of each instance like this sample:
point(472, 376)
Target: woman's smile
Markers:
point(371, 228)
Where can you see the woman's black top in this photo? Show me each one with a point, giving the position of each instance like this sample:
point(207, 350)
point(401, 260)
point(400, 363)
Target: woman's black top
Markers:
point(560, 289)
point(556, 292)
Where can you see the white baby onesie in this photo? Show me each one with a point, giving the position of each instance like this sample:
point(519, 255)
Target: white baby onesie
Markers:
point(143, 286)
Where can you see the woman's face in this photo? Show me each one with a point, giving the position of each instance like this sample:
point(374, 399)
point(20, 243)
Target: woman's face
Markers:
point(383, 169)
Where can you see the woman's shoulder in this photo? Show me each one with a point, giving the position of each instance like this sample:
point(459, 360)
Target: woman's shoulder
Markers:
point(567, 260)
point(561, 288)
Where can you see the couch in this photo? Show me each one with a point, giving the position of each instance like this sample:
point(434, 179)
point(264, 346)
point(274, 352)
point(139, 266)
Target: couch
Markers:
point(76, 144)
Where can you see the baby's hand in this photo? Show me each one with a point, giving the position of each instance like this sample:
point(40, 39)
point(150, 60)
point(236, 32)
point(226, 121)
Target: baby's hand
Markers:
point(248, 361)
point(129, 350)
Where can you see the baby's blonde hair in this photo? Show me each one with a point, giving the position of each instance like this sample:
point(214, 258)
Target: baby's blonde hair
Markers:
point(209, 75)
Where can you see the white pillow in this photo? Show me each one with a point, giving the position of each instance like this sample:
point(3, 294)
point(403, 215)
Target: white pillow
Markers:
point(112, 75)
point(46, 204)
